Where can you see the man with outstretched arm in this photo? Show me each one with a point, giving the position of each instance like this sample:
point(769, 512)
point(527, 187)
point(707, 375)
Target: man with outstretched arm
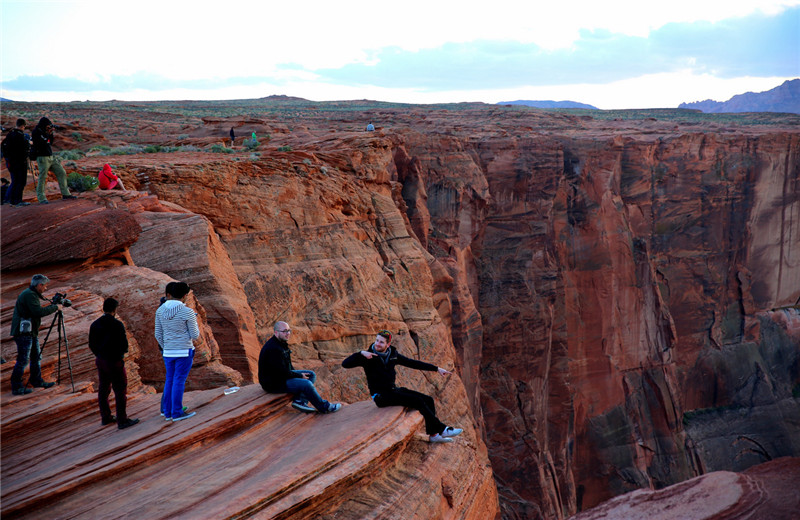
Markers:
point(379, 362)
point(276, 374)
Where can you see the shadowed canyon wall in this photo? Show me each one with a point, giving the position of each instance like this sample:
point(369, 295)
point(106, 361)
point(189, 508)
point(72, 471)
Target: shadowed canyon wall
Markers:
point(617, 298)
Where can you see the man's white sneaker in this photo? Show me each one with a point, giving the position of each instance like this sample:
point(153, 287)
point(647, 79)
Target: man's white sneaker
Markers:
point(438, 438)
point(334, 407)
point(451, 432)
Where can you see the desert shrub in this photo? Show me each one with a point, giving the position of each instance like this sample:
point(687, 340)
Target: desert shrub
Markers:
point(77, 136)
point(323, 170)
point(285, 148)
point(70, 155)
point(152, 148)
point(79, 182)
point(218, 148)
point(250, 144)
point(100, 148)
point(307, 162)
point(130, 149)
point(183, 136)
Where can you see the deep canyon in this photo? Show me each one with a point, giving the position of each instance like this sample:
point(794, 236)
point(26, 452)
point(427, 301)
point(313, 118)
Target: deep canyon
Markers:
point(617, 294)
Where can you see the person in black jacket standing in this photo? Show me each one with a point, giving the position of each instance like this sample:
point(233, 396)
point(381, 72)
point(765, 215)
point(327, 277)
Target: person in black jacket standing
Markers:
point(379, 362)
point(46, 161)
point(277, 375)
point(109, 343)
point(15, 149)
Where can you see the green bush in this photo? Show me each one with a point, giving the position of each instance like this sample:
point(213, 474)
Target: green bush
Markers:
point(100, 148)
point(78, 182)
point(77, 136)
point(218, 148)
point(70, 155)
point(250, 144)
point(286, 148)
point(152, 148)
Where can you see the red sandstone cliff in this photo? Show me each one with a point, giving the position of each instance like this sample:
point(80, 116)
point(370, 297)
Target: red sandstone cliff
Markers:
point(610, 293)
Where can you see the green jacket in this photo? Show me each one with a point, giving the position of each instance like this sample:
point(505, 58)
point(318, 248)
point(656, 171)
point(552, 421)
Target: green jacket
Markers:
point(28, 306)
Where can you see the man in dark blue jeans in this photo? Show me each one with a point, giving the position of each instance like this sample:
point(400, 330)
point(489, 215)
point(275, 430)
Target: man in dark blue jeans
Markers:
point(277, 375)
point(25, 323)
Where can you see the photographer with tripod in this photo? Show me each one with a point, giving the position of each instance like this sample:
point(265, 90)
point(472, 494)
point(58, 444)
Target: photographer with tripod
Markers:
point(28, 313)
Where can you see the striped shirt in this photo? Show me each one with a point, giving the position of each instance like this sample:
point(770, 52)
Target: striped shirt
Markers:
point(176, 327)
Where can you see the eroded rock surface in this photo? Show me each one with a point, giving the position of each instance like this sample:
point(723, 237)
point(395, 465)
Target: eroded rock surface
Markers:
point(607, 291)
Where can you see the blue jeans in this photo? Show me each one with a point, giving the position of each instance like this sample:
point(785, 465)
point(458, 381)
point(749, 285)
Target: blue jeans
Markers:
point(27, 348)
point(177, 372)
point(305, 389)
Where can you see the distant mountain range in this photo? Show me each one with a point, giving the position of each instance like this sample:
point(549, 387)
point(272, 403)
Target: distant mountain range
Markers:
point(784, 98)
point(548, 104)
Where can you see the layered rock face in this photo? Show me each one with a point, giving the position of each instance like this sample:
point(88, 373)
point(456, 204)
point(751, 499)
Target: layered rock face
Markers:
point(615, 297)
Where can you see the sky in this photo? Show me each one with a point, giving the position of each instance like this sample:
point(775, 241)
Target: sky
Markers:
point(613, 54)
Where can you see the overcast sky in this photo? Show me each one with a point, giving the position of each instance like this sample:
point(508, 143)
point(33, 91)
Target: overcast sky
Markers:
point(610, 54)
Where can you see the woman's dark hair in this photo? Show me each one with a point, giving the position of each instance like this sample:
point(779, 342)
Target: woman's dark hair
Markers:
point(178, 289)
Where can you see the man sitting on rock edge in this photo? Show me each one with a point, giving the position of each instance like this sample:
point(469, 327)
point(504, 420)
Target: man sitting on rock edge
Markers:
point(379, 362)
point(277, 375)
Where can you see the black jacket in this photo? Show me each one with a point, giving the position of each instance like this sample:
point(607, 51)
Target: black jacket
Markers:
point(275, 366)
point(107, 338)
point(15, 149)
point(42, 139)
point(381, 375)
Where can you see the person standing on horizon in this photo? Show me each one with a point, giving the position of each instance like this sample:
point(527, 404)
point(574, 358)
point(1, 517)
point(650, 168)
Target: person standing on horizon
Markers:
point(109, 343)
point(233, 137)
point(46, 161)
point(276, 374)
point(15, 150)
point(176, 332)
point(379, 362)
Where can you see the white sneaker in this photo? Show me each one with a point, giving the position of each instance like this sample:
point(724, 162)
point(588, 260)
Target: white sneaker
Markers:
point(451, 432)
point(334, 407)
point(439, 438)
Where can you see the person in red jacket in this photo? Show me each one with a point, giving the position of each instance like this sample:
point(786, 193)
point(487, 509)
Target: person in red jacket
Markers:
point(109, 181)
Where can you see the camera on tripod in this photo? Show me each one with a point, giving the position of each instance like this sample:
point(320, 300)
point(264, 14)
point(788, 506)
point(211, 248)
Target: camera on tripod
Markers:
point(62, 299)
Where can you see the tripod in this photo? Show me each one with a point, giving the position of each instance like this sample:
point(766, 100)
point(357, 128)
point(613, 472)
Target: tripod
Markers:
point(58, 321)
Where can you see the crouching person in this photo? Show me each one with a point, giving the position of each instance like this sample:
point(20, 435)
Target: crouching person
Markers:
point(109, 343)
point(276, 374)
point(379, 362)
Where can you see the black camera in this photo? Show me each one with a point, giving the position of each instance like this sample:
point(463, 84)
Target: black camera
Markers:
point(61, 299)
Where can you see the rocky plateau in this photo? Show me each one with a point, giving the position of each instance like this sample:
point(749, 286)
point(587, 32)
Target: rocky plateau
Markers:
point(616, 294)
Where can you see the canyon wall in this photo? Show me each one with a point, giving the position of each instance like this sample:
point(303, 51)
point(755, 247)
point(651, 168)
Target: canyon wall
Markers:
point(618, 298)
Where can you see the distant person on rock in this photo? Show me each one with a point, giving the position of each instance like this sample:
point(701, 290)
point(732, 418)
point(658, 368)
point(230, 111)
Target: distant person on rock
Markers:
point(379, 362)
point(25, 323)
point(233, 137)
point(370, 127)
point(277, 375)
point(109, 343)
point(109, 181)
point(176, 333)
point(15, 149)
point(46, 161)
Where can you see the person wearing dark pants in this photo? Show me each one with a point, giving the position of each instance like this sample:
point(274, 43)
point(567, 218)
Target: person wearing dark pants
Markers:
point(379, 362)
point(46, 161)
point(25, 323)
point(15, 148)
point(277, 375)
point(109, 343)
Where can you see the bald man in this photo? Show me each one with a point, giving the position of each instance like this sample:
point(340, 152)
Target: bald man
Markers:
point(277, 375)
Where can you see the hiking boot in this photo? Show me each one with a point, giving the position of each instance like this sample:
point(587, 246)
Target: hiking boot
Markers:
point(110, 420)
point(438, 438)
point(45, 385)
point(334, 407)
point(21, 391)
point(69, 197)
point(127, 422)
point(184, 415)
point(451, 432)
point(44, 202)
point(303, 407)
